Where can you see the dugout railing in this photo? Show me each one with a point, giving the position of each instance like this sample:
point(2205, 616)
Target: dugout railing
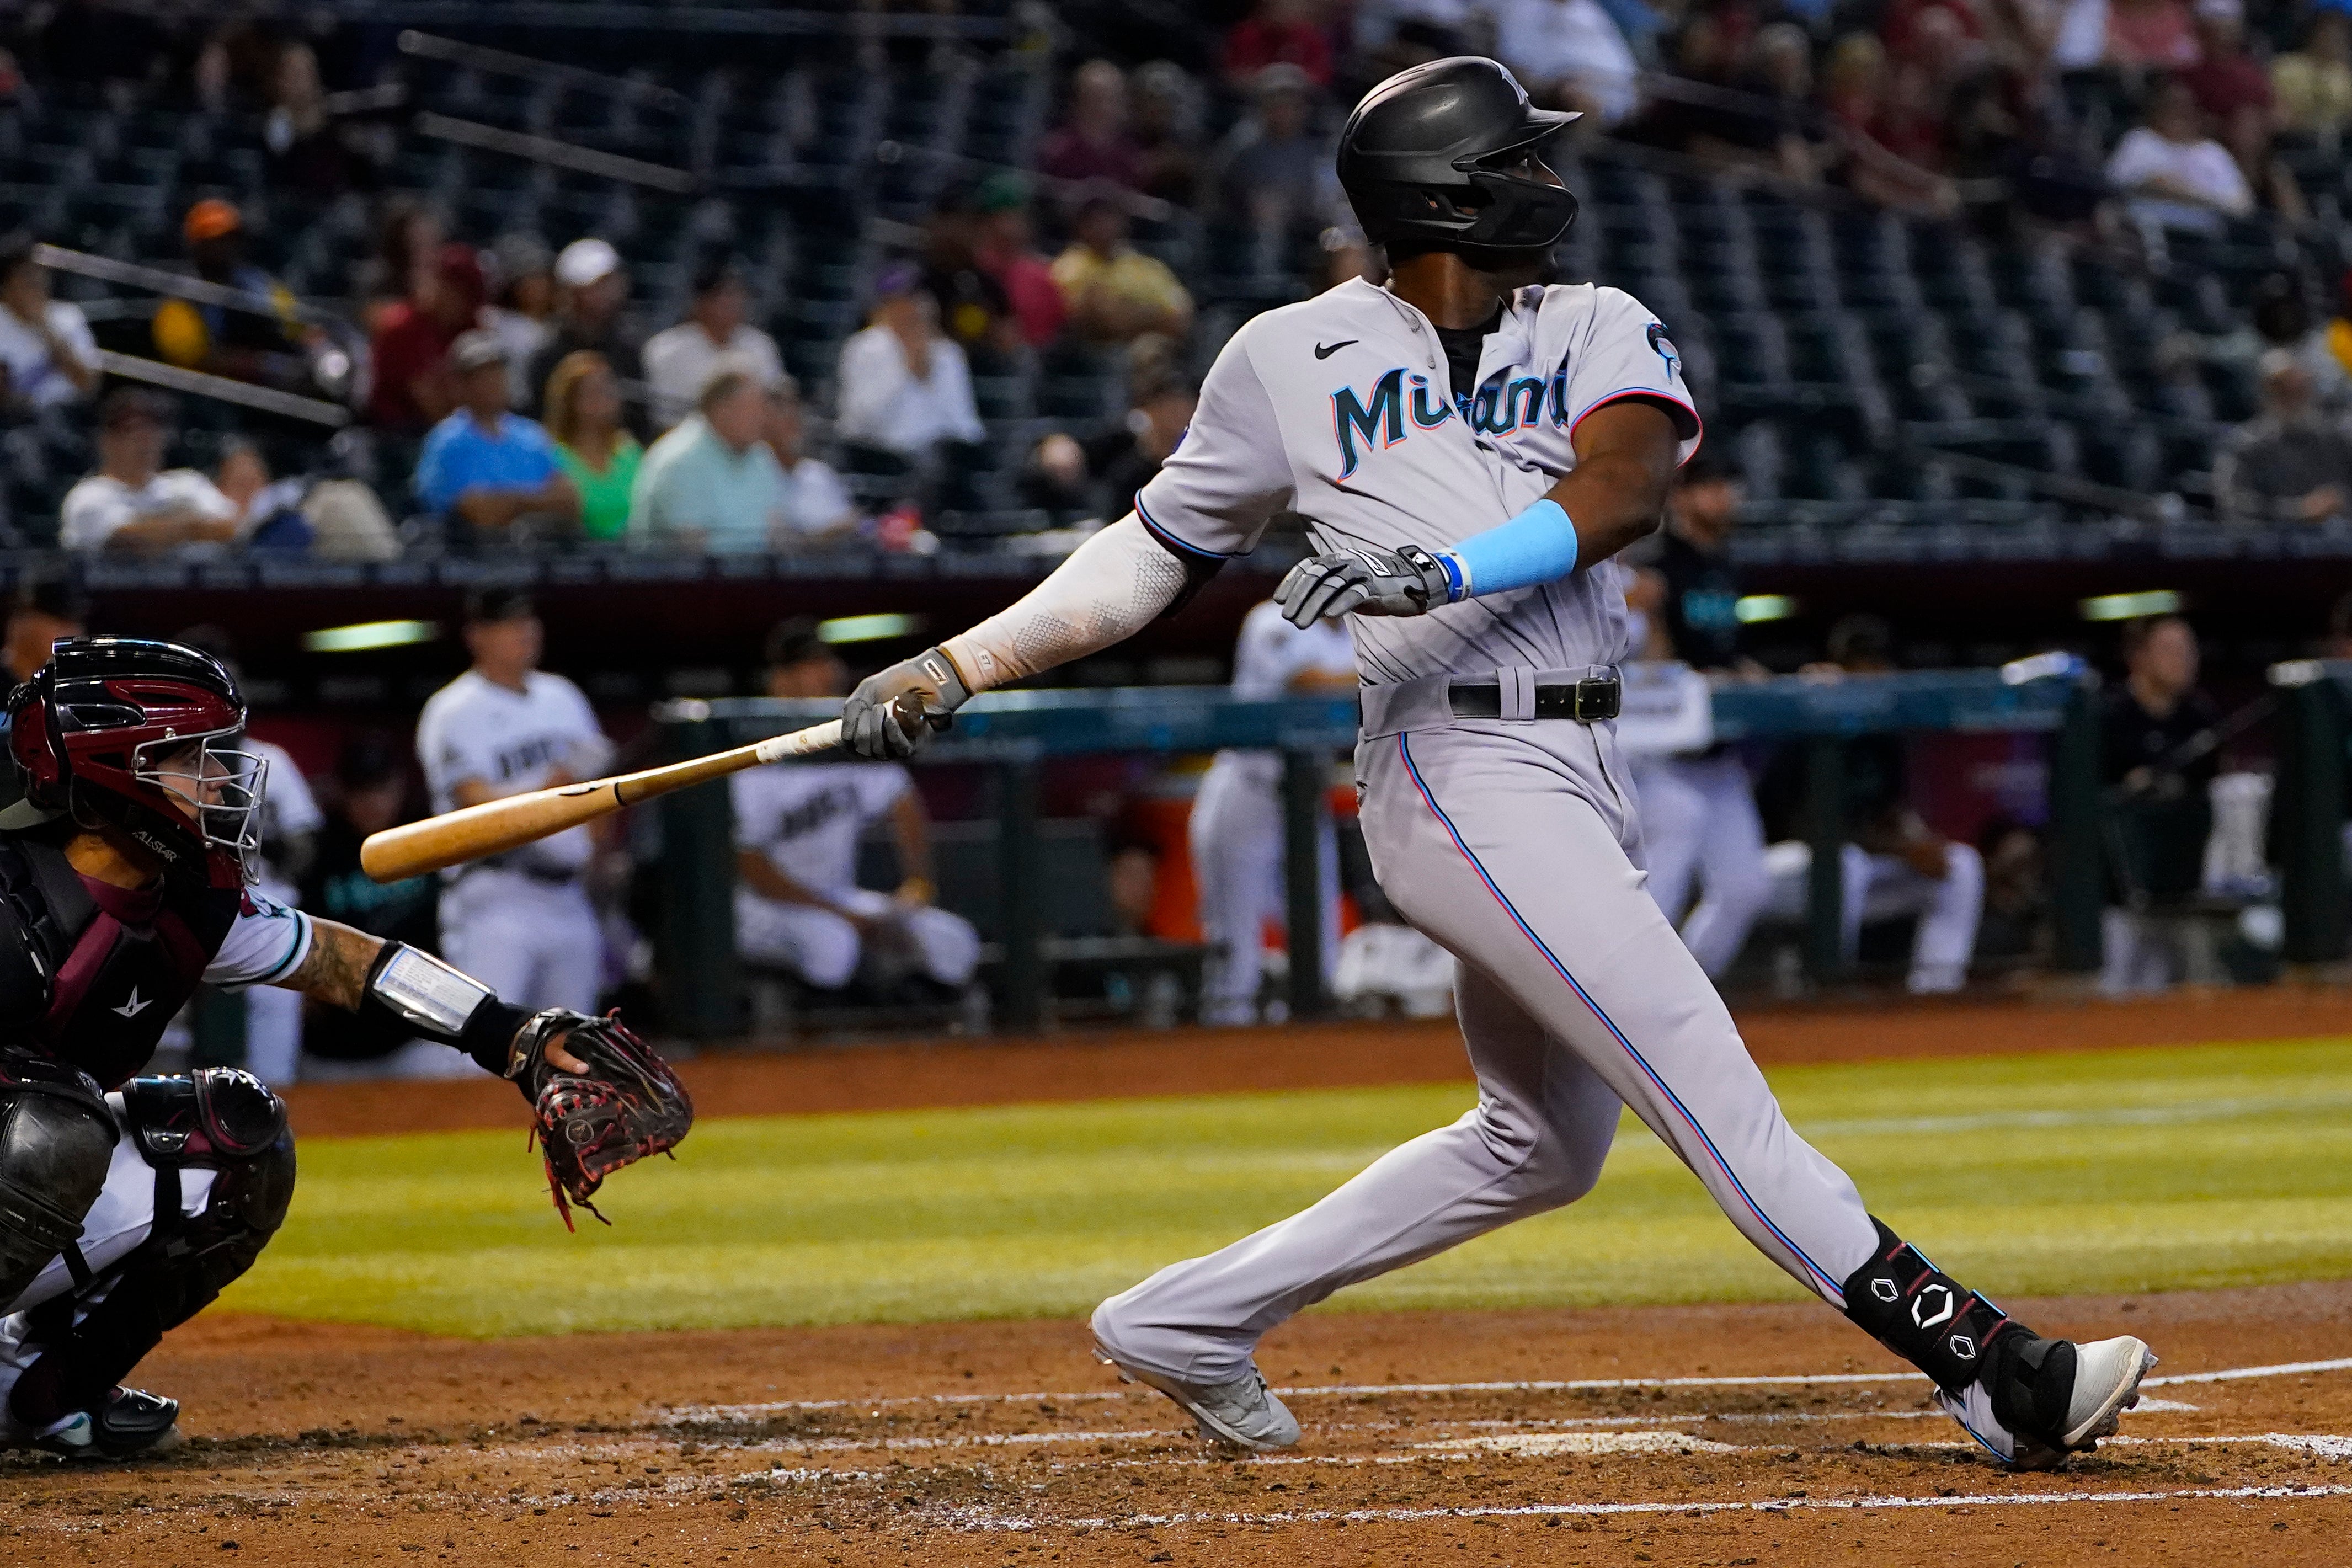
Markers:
point(1013, 735)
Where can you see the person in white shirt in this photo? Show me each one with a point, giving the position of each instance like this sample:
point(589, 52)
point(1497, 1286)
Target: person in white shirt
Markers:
point(520, 922)
point(522, 308)
point(904, 385)
point(45, 343)
point(818, 508)
point(1569, 50)
point(679, 361)
point(1236, 831)
point(2172, 174)
point(134, 504)
point(797, 902)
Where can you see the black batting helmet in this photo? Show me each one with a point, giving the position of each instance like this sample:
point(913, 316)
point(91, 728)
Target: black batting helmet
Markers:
point(1422, 160)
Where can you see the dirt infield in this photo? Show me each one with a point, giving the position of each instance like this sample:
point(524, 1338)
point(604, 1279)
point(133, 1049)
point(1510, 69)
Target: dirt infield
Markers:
point(1118, 1063)
point(1722, 1435)
point(1509, 1436)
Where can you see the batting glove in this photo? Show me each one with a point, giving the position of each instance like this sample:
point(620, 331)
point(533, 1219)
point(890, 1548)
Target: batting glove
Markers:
point(1405, 582)
point(895, 710)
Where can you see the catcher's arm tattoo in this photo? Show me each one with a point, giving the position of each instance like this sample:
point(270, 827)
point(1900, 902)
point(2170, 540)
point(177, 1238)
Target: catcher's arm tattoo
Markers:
point(335, 970)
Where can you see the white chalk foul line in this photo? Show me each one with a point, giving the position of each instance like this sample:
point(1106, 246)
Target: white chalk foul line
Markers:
point(1020, 1523)
point(690, 1415)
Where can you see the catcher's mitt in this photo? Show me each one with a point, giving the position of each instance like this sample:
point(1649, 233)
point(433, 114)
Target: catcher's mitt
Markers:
point(628, 1105)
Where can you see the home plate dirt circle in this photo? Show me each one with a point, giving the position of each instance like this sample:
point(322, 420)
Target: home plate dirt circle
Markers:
point(1718, 1435)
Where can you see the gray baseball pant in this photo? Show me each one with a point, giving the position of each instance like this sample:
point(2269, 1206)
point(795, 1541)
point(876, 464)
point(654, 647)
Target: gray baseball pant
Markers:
point(1516, 846)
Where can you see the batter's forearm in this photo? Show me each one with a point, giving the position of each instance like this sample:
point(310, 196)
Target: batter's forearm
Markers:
point(1614, 499)
point(335, 970)
point(1111, 587)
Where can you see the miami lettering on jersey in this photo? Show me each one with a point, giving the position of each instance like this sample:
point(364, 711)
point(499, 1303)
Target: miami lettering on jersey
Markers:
point(1501, 407)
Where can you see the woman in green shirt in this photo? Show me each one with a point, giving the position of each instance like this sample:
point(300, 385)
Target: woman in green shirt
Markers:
point(583, 415)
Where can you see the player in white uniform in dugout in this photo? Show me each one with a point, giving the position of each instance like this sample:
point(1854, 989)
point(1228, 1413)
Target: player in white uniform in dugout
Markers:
point(797, 824)
point(522, 921)
point(1236, 831)
point(1471, 448)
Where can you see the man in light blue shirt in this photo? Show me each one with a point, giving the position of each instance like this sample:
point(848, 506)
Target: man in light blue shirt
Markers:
point(487, 469)
point(711, 484)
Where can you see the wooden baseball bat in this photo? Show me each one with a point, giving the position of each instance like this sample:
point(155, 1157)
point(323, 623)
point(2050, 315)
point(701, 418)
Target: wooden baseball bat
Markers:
point(496, 826)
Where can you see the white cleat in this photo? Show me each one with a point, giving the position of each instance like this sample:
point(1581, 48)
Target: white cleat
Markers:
point(2107, 1373)
point(1243, 1413)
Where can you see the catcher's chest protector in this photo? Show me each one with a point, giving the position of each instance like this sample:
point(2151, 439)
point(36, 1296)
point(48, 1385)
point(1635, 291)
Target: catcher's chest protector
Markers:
point(91, 974)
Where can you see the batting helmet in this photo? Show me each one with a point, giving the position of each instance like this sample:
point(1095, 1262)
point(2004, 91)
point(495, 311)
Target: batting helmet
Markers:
point(1425, 157)
point(102, 731)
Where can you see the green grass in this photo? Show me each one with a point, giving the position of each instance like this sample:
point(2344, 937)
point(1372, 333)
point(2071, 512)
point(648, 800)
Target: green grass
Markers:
point(2107, 1171)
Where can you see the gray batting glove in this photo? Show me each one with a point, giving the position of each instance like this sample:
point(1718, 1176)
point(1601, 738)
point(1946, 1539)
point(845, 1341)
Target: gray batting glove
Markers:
point(1405, 582)
point(893, 710)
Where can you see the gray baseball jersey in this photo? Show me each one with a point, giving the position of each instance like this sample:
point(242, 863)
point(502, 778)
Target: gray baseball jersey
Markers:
point(1342, 408)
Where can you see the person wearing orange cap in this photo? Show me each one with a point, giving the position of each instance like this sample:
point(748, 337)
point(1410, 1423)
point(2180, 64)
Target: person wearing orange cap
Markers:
point(244, 345)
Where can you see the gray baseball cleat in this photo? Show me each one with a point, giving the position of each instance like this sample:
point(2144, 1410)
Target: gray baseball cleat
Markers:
point(2075, 1395)
point(1243, 1413)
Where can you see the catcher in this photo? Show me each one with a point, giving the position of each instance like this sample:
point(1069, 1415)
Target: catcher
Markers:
point(127, 1204)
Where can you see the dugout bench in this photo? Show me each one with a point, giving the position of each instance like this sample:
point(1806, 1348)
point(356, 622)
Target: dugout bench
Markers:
point(1012, 734)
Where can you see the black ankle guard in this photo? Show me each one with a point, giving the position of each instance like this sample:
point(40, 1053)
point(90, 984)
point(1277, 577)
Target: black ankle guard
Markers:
point(1928, 1318)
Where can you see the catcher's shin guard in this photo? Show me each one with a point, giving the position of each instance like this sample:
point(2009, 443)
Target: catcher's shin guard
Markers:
point(221, 1118)
point(56, 1138)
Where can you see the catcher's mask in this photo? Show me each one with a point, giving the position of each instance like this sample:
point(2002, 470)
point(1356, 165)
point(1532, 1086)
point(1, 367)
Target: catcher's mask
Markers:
point(140, 737)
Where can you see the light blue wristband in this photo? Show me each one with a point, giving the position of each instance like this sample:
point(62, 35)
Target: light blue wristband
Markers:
point(1537, 546)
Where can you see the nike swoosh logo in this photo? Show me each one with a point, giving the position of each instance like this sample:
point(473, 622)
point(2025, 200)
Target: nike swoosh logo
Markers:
point(133, 1008)
point(1325, 350)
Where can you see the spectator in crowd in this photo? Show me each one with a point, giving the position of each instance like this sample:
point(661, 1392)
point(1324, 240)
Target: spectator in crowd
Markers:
point(328, 519)
point(268, 510)
point(712, 484)
point(681, 358)
point(2160, 755)
point(2291, 464)
point(132, 504)
point(596, 453)
point(1274, 173)
point(45, 347)
point(1569, 55)
point(408, 243)
point(2234, 92)
point(1893, 140)
point(904, 387)
point(43, 612)
point(2314, 85)
point(1115, 292)
point(593, 291)
point(1893, 864)
point(1279, 32)
point(310, 152)
point(416, 386)
point(973, 308)
point(522, 303)
point(2172, 174)
point(263, 344)
point(1093, 142)
point(521, 923)
point(1001, 249)
point(798, 906)
point(1165, 125)
point(817, 506)
point(1103, 472)
point(2150, 36)
point(491, 471)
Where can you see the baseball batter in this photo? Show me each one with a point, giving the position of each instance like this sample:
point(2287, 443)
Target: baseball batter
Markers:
point(1472, 449)
point(523, 920)
point(1236, 831)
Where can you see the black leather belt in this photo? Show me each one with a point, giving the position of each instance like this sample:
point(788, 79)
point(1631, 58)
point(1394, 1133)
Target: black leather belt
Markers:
point(1587, 701)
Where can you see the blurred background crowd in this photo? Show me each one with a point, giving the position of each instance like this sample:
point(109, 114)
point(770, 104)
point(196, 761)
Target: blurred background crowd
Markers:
point(826, 294)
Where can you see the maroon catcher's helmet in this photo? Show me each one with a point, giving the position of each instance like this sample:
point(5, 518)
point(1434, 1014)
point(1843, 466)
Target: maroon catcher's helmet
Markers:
point(103, 732)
